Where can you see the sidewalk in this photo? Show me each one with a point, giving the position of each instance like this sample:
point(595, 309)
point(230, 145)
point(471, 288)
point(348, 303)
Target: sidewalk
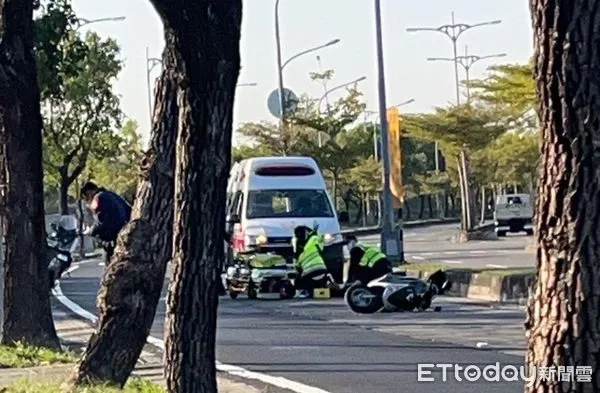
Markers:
point(75, 333)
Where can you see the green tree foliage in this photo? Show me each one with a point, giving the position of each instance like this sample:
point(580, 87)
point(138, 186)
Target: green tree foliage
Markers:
point(334, 146)
point(510, 90)
point(120, 172)
point(81, 111)
point(366, 175)
point(516, 159)
point(455, 128)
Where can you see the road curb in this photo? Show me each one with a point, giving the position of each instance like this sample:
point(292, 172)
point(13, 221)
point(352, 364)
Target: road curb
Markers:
point(491, 285)
point(363, 231)
point(74, 333)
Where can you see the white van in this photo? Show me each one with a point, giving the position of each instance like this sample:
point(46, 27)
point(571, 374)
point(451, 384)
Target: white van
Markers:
point(272, 196)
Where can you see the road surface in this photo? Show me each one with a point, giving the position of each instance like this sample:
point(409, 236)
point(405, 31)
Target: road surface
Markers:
point(322, 345)
point(435, 244)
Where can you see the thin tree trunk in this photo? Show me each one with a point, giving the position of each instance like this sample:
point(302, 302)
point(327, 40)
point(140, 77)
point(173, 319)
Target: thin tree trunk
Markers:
point(563, 323)
point(133, 281)
point(365, 209)
point(208, 44)
point(483, 204)
point(63, 193)
point(461, 181)
point(446, 205)
point(430, 205)
point(421, 206)
point(27, 312)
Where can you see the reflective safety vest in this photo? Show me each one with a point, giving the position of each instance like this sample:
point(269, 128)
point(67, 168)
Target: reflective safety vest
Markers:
point(371, 256)
point(310, 260)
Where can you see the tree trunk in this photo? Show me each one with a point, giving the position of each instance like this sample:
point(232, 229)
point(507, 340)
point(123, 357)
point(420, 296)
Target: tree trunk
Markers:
point(563, 323)
point(208, 57)
point(453, 203)
point(63, 193)
point(365, 209)
point(27, 312)
point(463, 207)
point(483, 204)
point(133, 281)
point(446, 205)
point(421, 206)
point(430, 205)
point(335, 190)
point(407, 210)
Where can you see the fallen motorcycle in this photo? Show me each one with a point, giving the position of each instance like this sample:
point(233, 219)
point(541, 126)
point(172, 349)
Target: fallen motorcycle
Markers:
point(397, 292)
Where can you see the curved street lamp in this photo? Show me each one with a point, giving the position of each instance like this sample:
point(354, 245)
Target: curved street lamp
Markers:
point(281, 64)
point(84, 22)
point(362, 78)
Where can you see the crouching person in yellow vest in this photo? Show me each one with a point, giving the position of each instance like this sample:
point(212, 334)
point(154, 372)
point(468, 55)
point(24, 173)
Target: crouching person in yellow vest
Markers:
point(366, 263)
point(309, 261)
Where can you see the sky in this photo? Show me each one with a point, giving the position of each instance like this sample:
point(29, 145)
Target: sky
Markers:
point(309, 23)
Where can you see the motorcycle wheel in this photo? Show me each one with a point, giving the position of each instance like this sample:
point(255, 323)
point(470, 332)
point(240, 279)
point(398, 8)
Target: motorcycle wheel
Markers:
point(362, 300)
point(233, 295)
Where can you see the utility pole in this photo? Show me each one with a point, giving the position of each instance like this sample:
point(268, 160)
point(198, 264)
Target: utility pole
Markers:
point(453, 31)
point(391, 238)
point(467, 61)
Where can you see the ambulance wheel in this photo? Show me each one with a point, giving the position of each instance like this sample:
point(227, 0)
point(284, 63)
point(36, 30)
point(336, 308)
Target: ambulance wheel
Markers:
point(252, 293)
point(233, 294)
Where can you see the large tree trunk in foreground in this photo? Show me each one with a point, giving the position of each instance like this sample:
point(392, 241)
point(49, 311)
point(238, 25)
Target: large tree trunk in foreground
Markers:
point(133, 281)
point(27, 313)
point(564, 312)
point(207, 44)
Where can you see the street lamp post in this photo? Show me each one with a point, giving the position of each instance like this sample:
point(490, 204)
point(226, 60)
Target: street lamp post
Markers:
point(84, 22)
point(467, 61)
point(151, 62)
point(391, 240)
point(452, 31)
point(324, 96)
point(281, 65)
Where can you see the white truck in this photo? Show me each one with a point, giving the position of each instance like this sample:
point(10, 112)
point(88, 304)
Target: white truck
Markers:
point(513, 213)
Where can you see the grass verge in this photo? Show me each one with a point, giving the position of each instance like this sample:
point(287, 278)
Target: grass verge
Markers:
point(135, 385)
point(21, 356)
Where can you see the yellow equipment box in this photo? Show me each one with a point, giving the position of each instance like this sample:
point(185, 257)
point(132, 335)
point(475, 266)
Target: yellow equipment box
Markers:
point(321, 293)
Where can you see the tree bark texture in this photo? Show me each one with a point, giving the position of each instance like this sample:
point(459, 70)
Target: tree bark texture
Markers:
point(133, 281)
point(207, 44)
point(563, 323)
point(27, 312)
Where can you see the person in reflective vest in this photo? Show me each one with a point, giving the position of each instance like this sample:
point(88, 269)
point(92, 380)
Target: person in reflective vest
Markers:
point(366, 263)
point(309, 261)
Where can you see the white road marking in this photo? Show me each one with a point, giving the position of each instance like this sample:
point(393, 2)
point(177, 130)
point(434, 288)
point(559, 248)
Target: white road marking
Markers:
point(450, 252)
point(72, 269)
point(497, 266)
point(428, 253)
point(101, 264)
point(280, 382)
point(477, 252)
point(451, 261)
point(418, 258)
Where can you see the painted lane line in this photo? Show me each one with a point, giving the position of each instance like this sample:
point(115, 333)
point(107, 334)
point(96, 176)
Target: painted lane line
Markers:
point(450, 261)
point(450, 252)
point(428, 253)
point(418, 258)
point(497, 266)
point(101, 264)
point(280, 382)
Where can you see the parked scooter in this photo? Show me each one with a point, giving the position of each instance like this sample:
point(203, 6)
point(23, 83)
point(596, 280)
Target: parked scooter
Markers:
point(397, 292)
point(63, 241)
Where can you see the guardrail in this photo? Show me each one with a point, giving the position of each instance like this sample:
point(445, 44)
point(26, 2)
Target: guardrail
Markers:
point(373, 230)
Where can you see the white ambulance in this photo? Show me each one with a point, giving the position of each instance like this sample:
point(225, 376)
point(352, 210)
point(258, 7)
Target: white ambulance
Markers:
point(270, 196)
